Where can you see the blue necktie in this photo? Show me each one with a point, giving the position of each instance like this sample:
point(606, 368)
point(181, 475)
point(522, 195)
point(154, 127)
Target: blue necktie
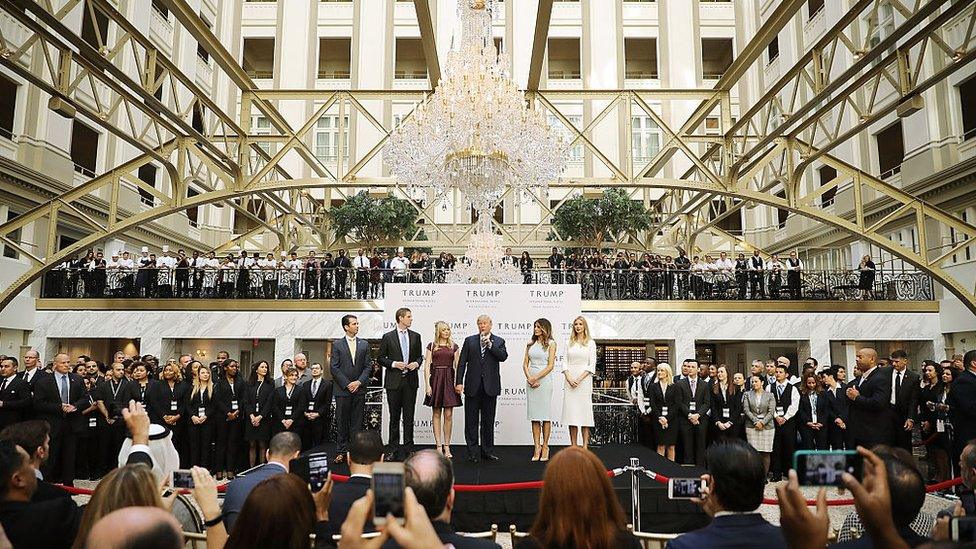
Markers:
point(404, 346)
point(64, 389)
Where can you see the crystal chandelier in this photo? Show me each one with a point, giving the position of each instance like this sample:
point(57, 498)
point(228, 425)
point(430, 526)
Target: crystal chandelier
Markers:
point(475, 133)
point(482, 262)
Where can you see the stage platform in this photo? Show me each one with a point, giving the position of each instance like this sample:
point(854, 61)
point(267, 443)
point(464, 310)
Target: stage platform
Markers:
point(477, 511)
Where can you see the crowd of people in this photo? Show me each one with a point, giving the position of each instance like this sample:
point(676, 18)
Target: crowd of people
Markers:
point(258, 275)
point(778, 409)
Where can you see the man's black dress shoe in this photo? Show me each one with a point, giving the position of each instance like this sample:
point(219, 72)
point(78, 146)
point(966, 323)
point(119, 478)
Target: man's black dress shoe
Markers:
point(490, 457)
point(474, 459)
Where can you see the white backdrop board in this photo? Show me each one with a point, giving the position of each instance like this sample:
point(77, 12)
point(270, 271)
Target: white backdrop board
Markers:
point(514, 309)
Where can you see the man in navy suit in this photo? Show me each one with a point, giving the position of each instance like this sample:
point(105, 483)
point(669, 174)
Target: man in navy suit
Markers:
point(479, 379)
point(962, 405)
point(350, 367)
point(59, 399)
point(365, 449)
point(284, 447)
point(733, 494)
point(869, 397)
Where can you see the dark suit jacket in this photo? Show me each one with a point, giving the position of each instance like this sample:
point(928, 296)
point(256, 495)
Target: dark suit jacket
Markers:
point(865, 541)
point(160, 398)
point(805, 412)
point(47, 402)
point(225, 395)
point(723, 400)
point(447, 535)
point(345, 369)
point(391, 352)
point(732, 531)
point(906, 401)
point(838, 404)
point(659, 400)
point(869, 420)
point(239, 488)
point(322, 400)
point(282, 404)
point(260, 403)
point(481, 368)
point(344, 494)
point(52, 523)
point(962, 407)
point(16, 398)
point(702, 399)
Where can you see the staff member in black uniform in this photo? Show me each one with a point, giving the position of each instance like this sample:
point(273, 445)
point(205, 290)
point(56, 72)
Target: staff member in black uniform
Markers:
point(138, 387)
point(814, 414)
point(15, 394)
point(838, 432)
point(229, 394)
point(289, 404)
point(318, 409)
point(787, 405)
point(110, 397)
point(202, 412)
point(167, 407)
point(726, 407)
point(664, 411)
point(257, 412)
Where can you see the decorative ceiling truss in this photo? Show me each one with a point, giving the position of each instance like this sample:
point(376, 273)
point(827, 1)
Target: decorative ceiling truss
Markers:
point(702, 173)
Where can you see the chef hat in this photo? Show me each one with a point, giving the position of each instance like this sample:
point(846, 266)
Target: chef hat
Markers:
point(115, 254)
point(284, 253)
point(145, 249)
point(165, 249)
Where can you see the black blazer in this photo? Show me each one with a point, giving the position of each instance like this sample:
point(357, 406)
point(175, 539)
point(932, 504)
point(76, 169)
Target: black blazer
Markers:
point(906, 401)
point(260, 402)
point(962, 407)
point(133, 391)
point(322, 400)
point(623, 540)
point(224, 396)
point(659, 400)
point(481, 368)
point(391, 352)
point(447, 535)
point(838, 403)
point(16, 398)
point(161, 399)
point(823, 410)
point(51, 523)
point(47, 402)
point(733, 403)
point(343, 496)
point(702, 398)
point(345, 369)
point(870, 424)
point(283, 404)
point(203, 400)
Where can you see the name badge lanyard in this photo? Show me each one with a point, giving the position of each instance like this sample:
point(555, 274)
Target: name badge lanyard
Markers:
point(233, 394)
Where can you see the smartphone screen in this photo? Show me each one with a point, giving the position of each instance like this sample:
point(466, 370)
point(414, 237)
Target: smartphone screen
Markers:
point(387, 495)
point(825, 467)
point(963, 529)
point(685, 488)
point(318, 470)
point(182, 479)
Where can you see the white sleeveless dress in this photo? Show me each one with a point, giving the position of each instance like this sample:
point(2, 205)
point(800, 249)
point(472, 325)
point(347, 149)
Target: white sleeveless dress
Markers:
point(539, 400)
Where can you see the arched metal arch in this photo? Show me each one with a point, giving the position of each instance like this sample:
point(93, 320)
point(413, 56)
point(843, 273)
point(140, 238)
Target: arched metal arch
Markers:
point(42, 266)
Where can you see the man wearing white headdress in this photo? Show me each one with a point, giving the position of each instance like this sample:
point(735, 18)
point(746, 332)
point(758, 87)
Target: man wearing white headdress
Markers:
point(165, 458)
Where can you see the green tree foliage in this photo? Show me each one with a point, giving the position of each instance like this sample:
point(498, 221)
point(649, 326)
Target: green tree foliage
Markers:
point(374, 221)
point(592, 221)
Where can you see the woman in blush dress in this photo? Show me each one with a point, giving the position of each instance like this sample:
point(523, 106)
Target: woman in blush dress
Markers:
point(540, 359)
point(578, 391)
point(440, 366)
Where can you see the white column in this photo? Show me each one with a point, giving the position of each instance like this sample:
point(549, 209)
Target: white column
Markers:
point(373, 48)
point(296, 66)
point(679, 65)
point(601, 64)
point(850, 357)
point(284, 348)
point(684, 347)
point(151, 345)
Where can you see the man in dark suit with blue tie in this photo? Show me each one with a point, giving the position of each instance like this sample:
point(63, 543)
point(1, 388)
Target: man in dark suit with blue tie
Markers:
point(59, 399)
point(350, 368)
point(869, 398)
point(479, 380)
point(401, 355)
point(284, 447)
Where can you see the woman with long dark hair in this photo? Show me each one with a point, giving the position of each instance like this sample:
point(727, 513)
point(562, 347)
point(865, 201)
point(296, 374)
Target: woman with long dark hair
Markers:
point(726, 406)
point(257, 412)
point(814, 414)
point(578, 507)
point(539, 361)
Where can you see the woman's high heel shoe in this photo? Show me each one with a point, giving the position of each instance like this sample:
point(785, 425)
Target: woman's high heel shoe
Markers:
point(535, 456)
point(447, 451)
point(545, 454)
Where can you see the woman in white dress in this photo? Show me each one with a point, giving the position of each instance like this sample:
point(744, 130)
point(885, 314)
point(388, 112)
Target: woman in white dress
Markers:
point(578, 392)
point(540, 359)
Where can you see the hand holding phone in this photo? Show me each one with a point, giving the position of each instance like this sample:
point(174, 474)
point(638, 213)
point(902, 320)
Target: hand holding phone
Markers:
point(685, 488)
point(313, 468)
point(825, 467)
point(181, 479)
point(388, 488)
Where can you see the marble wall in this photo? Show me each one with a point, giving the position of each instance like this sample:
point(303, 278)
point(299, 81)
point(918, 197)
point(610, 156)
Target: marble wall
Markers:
point(158, 330)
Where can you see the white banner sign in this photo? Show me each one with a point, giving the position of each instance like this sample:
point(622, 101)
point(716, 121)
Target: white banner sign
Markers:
point(513, 309)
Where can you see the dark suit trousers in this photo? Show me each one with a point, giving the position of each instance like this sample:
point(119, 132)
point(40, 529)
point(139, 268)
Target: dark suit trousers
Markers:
point(901, 437)
point(483, 405)
point(784, 443)
point(402, 402)
point(812, 439)
point(693, 438)
point(350, 410)
point(64, 447)
point(201, 441)
point(839, 439)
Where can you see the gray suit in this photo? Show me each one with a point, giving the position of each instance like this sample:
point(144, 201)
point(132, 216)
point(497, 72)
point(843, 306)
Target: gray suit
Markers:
point(239, 488)
point(350, 407)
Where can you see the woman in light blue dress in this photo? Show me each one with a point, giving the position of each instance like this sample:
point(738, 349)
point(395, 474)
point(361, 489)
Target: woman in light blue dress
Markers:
point(540, 358)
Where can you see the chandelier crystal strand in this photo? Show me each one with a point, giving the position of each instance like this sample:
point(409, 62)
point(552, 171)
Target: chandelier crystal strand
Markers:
point(476, 132)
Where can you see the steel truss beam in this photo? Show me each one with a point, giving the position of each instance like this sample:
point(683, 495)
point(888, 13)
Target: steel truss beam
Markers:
point(750, 163)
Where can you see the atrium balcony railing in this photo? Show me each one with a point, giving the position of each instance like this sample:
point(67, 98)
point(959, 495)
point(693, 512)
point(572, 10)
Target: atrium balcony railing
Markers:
point(596, 284)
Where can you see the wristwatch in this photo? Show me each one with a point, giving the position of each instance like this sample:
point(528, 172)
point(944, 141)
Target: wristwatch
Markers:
point(214, 521)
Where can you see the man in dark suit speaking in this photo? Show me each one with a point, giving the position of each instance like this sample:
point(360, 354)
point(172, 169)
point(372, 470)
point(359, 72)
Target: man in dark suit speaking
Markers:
point(401, 354)
point(479, 379)
point(350, 367)
point(869, 397)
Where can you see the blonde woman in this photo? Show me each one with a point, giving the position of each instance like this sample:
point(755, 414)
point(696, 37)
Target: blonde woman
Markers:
point(578, 390)
point(201, 410)
point(540, 359)
point(440, 367)
point(663, 397)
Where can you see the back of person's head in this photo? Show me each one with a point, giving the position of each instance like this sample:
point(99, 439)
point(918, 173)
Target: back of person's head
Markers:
point(431, 476)
point(136, 528)
point(366, 448)
point(279, 512)
point(577, 506)
point(13, 462)
point(905, 483)
point(31, 435)
point(738, 475)
point(129, 486)
point(285, 445)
